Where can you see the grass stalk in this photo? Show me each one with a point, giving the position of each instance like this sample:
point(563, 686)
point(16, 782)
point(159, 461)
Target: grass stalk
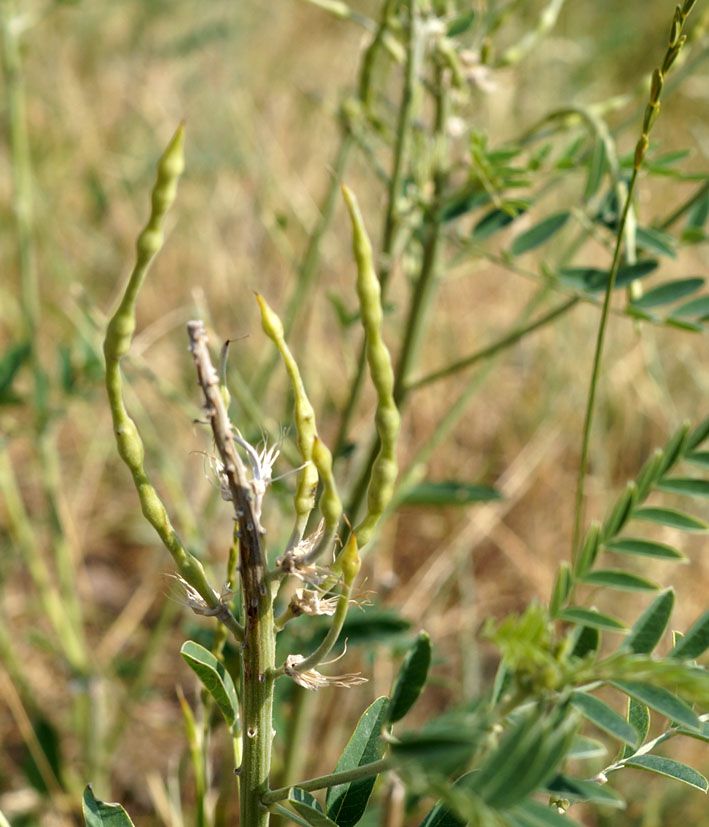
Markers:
point(652, 110)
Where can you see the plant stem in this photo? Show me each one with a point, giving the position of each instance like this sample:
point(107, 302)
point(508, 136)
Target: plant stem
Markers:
point(596, 371)
point(331, 780)
point(259, 647)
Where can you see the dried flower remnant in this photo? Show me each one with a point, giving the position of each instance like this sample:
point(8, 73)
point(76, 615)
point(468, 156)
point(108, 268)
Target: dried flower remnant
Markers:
point(194, 600)
point(309, 602)
point(295, 560)
point(313, 680)
point(261, 463)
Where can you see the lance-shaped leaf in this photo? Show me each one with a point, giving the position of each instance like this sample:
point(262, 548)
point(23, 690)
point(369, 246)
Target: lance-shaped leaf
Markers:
point(644, 548)
point(650, 626)
point(584, 747)
point(102, 814)
point(700, 458)
point(655, 241)
point(689, 486)
point(539, 233)
point(592, 618)
point(561, 590)
point(668, 292)
point(308, 807)
point(619, 579)
point(697, 307)
point(410, 681)
point(593, 279)
point(670, 769)
point(660, 700)
point(526, 758)
point(215, 679)
point(672, 518)
point(347, 802)
point(599, 713)
point(449, 492)
point(639, 719)
point(695, 642)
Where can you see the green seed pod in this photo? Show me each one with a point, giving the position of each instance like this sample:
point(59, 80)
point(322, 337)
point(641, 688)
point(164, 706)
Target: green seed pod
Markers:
point(348, 562)
point(119, 334)
point(304, 500)
point(387, 419)
point(330, 504)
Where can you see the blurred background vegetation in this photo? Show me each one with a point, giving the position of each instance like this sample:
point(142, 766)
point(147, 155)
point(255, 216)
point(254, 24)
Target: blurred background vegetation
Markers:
point(259, 86)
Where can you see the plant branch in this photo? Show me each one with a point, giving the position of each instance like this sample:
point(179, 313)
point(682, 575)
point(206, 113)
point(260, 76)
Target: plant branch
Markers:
point(331, 780)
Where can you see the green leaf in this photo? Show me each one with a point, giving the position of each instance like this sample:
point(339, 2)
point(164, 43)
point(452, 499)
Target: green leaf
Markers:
point(593, 279)
point(697, 436)
point(668, 292)
point(699, 213)
point(583, 747)
point(449, 492)
point(526, 758)
point(675, 448)
point(700, 458)
point(347, 802)
point(650, 626)
point(599, 713)
point(672, 518)
point(619, 579)
point(589, 550)
point(309, 808)
point(215, 679)
point(561, 590)
point(410, 681)
point(690, 486)
point(595, 170)
point(497, 219)
point(563, 786)
point(586, 640)
point(539, 233)
point(660, 700)
point(13, 359)
point(644, 548)
point(656, 241)
point(102, 814)
point(639, 719)
point(621, 511)
point(697, 307)
point(695, 642)
point(702, 735)
point(463, 203)
point(670, 769)
point(592, 618)
point(461, 24)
